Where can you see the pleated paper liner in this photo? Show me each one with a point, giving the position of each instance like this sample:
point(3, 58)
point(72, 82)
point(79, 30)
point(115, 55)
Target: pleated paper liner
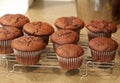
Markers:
point(70, 63)
point(5, 47)
point(92, 35)
point(27, 58)
point(104, 56)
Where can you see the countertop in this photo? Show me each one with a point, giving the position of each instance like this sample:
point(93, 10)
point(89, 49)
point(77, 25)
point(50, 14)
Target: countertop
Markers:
point(48, 11)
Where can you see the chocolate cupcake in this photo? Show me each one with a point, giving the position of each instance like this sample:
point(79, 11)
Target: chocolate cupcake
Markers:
point(15, 20)
point(70, 23)
point(7, 34)
point(103, 49)
point(40, 29)
point(62, 37)
point(70, 56)
point(100, 28)
point(27, 49)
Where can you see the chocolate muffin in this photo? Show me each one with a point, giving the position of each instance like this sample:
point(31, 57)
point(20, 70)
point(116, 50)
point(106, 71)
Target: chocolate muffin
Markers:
point(70, 56)
point(71, 23)
point(62, 37)
point(16, 20)
point(27, 49)
point(100, 28)
point(6, 35)
point(103, 49)
point(40, 29)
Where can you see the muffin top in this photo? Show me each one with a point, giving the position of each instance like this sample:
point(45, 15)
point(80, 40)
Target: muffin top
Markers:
point(16, 20)
point(99, 26)
point(28, 43)
point(64, 37)
point(8, 33)
point(38, 28)
point(69, 51)
point(103, 44)
point(72, 23)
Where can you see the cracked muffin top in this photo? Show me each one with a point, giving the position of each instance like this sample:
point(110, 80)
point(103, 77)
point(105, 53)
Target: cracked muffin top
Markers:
point(98, 26)
point(8, 33)
point(28, 43)
point(16, 20)
point(72, 23)
point(38, 28)
point(64, 37)
point(69, 51)
point(103, 44)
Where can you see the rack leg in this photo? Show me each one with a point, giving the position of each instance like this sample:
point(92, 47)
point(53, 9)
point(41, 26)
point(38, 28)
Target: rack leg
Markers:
point(82, 73)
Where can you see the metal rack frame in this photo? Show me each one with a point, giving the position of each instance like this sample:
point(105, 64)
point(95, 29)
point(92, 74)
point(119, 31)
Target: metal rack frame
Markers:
point(48, 55)
point(100, 65)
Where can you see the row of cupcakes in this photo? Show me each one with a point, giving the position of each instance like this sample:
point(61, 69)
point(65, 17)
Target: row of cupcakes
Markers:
point(103, 48)
point(65, 42)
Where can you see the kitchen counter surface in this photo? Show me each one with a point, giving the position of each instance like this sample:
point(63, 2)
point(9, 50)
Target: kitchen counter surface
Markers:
point(48, 11)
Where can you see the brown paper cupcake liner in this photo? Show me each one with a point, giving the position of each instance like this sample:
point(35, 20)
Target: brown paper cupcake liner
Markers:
point(27, 61)
point(5, 47)
point(5, 43)
point(27, 58)
point(26, 54)
point(103, 56)
point(93, 35)
point(70, 63)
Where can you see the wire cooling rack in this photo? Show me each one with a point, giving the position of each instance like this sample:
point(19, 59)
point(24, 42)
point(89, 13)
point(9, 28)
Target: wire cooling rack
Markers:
point(49, 60)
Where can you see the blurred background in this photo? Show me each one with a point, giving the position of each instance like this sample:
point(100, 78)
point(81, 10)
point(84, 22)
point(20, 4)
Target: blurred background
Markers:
point(99, 9)
point(86, 9)
point(16, 6)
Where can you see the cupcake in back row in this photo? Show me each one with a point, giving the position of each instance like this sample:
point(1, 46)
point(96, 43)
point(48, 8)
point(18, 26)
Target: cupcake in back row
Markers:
point(70, 23)
point(62, 37)
point(40, 29)
point(70, 56)
point(27, 49)
point(103, 49)
point(100, 28)
point(15, 20)
point(7, 34)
